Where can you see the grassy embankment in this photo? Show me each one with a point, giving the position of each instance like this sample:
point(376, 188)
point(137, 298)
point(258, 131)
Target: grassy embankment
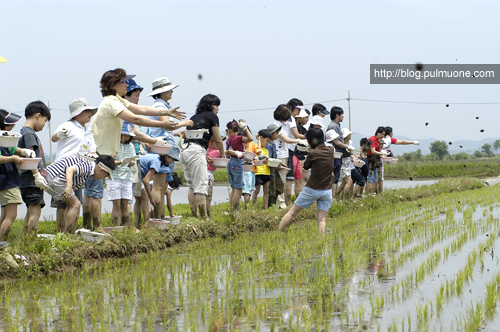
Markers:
point(67, 253)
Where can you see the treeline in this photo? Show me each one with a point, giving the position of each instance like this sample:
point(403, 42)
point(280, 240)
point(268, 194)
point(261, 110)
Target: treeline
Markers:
point(439, 151)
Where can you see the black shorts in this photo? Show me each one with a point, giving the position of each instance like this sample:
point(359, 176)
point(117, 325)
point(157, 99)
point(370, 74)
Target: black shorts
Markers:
point(337, 165)
point(32, 196)
point(262, 179)
point(62, 204)
point(357, 177)
point(290, 176)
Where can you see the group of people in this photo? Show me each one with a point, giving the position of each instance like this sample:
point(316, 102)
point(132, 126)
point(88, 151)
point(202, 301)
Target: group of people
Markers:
point(115, 146)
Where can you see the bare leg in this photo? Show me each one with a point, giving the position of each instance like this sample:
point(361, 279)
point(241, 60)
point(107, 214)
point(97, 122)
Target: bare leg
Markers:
point(95, 212)
point(235, 199)
point(32, 218)
point(287, 218)
point(60, 220)
point(341, 187)
point(288, 192)
point(334, 191)
point(9, 214)
point(158, 183)
point(255, 194)
point(116, 214)
point(72, 213)
point(305, 177)
point(137, 211)
point(192, 202)
point(347, 193)
point(87, 217)
point(246, 197)
point(321, 222)
point(201, 201)
point(266, 195)
point(164, 189)
point(126, 213)
point(299, 185)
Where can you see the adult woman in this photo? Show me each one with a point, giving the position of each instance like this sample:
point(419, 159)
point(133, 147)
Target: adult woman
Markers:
point(107, 126)
point(194, 158)
point(295, 173)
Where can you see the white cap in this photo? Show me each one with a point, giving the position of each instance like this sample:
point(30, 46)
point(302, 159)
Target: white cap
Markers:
point(317, 120)
point(302, 114)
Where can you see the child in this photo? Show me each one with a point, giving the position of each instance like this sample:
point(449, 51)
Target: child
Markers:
point(276, 184)
point(150, 165)
point(120, 188)
point(74, 139)
point(172, 185)
point(68, 174)
point(212, 152)
point(359, 174)
point(319, 187)
point(345, 188)
point(263, 173)
point(10, 196)
point(37, 114)
point(235, 167)
point(249, 176)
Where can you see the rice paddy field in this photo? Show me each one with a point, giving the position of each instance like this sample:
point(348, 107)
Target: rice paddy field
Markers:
point(421, 265)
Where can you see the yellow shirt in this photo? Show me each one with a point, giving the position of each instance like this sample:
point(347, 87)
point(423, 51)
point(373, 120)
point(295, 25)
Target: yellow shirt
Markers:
point(107, 126)
point(264, 169)
point(252, 147)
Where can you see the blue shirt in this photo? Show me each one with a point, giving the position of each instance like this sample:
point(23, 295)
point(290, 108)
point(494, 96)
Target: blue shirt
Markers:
point(158, 131)
point(150, 161)
point(271, 148)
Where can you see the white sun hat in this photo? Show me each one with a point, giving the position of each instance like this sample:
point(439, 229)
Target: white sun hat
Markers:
point(162, 84)
point(346, 132)
point(79, 105)
point(330, 135)
point(317, 120)
point(302, 114)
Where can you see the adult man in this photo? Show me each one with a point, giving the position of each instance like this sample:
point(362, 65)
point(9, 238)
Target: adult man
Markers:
point(337, 116)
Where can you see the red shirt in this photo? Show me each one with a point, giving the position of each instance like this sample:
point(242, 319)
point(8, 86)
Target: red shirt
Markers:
point(374, 143)
point(235, 143)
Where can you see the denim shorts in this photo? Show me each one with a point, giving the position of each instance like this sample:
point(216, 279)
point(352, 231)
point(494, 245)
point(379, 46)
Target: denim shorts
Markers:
point(94, 188)
point(235, 170)
point(308, 196)
point(372, 176)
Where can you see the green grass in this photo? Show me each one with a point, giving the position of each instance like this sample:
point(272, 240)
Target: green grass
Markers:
point(442, 169)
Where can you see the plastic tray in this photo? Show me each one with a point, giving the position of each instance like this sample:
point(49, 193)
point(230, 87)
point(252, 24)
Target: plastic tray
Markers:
point(29, 163)
point(8, 139)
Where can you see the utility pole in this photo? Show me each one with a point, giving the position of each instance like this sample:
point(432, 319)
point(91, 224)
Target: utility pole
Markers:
point(50, 134)
point(349, 103)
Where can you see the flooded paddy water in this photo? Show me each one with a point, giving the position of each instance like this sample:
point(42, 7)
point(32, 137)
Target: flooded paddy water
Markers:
point(426, 266)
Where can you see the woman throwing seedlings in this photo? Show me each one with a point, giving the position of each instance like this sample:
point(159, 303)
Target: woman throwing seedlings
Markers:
point(319, 186)
point(194, 159)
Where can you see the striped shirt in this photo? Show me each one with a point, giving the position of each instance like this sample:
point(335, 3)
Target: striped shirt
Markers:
point(123, 172)
point(84, 169)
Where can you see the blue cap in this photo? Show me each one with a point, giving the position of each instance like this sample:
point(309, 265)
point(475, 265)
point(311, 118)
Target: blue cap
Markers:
point(131, 86)
point(128, 128)
point(174, 152)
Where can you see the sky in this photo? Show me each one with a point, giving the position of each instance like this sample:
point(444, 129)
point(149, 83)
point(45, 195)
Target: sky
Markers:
point(256, 55)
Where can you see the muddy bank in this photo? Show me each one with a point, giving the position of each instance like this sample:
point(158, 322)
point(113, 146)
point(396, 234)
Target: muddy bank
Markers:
point(39, 256)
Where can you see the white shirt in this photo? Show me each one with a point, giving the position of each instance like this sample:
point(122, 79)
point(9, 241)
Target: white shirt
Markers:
point(387, 142)
point(281, 146)
point(80, 140)
point(287, 130)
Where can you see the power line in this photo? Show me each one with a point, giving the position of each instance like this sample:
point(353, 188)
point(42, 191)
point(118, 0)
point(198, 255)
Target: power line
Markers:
point(423, 102)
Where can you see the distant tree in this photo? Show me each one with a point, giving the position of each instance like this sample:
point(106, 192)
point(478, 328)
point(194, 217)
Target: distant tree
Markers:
point(432, 157)
point(440, 148)
point(496, 144)
point(412, 156)
point(459, 156)
point(478, 154)
point(486, 150)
